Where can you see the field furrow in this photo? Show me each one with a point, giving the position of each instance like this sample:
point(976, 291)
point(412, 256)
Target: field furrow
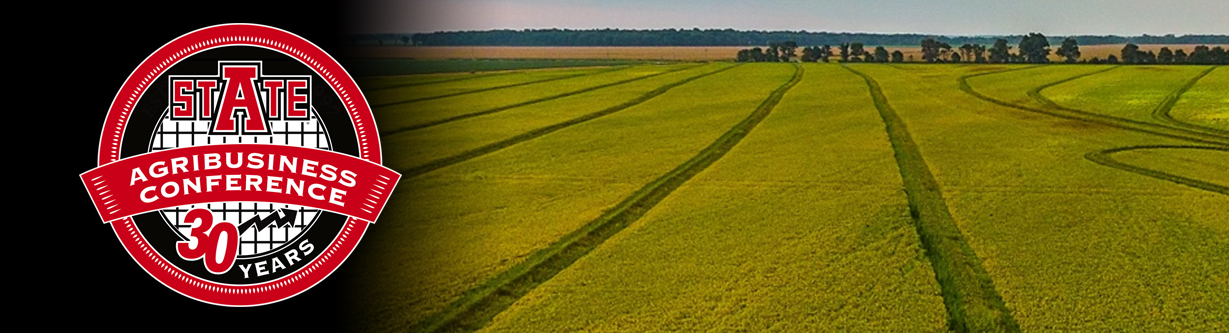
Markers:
point(432, 148)
point(404, 117)
point(484, 82)
point(1071, 245)
point(801, 227)
point(501, 293)
point(1020, 76)
point(372, 84)
point(973, 304)
point(1200, 167)
point(458, 227)
point(1123, 94)
point(1206, 102)
point(566, 93)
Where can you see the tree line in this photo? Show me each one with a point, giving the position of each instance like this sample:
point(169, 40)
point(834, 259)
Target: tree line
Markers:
point(1033, 48)
point(725, 37)
point(848, 52)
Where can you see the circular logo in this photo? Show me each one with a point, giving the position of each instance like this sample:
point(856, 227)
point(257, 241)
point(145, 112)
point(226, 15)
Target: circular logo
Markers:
point(239, 165)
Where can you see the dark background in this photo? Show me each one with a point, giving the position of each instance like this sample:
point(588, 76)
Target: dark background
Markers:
point(72, 271)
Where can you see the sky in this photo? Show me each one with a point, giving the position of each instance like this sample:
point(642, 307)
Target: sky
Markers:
point(955, 17)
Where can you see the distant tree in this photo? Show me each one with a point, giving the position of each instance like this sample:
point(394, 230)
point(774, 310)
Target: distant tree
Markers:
point(405, 40)
point(1035, 48)
point(881, 54)
point(744, 55)
point(979, 53)
point(1016, 58)
point(844, 52)
point(930, 50)
point(1148, 57)
point(787, 50)
point(869, 57)
point(897, 56)
point(1219, 56)
point(772, 54)
point(1179, 56)
point(825, 52)
point(1069, 49)
point(1111, 59)
point(1000, 52)
point(1165, 56)
point(757, 54)
point(956, 57)
point(945, 50)
point(856, 51)
point(1130, 54)
point(966, 51)
point(808, 54)
point(1201, 55)
point(1096, 60)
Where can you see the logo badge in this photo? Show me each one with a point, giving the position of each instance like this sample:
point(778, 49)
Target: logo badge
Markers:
point(239, 165)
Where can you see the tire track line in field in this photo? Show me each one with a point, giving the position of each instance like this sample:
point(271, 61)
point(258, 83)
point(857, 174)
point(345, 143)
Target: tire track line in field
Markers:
point(481, 304)
point(1035, 93)
point(1127, 124)
point(973, 305)
point(536, 133)
point(517, 105)
point(498, 87)
point(1103, 157)
point(1162, 111)
point(1165, 105)
point(468, 77)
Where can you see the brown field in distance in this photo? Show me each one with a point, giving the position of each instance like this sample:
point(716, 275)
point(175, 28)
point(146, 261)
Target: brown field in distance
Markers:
point(686, 53)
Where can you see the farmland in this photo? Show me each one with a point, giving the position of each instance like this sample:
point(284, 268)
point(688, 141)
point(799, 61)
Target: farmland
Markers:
point(801, 197)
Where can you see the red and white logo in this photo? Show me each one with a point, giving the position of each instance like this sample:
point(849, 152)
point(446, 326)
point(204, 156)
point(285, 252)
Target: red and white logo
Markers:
point(239, 165)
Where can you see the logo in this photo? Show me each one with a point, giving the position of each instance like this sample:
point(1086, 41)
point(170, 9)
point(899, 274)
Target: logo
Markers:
point(239, 165)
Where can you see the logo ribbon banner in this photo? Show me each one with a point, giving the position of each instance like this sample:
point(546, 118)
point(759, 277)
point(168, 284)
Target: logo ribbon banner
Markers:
point(310, 177)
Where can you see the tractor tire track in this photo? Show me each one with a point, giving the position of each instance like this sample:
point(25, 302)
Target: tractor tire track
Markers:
point(1164, 107)
point(1035, 93)
point(1127, 124)
point(973, 305)
point(1162, 111)
point(536, 133)
point(481, 304)
point(517, 105)
point(1103, 157)
point(469, 77)
point(497, 87)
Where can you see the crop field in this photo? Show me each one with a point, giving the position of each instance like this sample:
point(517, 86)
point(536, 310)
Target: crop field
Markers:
point(801, 197)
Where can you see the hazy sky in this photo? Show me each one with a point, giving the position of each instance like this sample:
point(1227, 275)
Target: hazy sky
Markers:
point(956, 17)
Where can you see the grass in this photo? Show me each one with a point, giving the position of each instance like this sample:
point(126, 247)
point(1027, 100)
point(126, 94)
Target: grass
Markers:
point(417, 115)
point(435, 147)
point(1199, 167)
point(648, 199)
point(453, 88)
point(1047, 107)
point(1130, 92)
point(1205, 103)
point(968, 292)
point(1070, 244)
point(507, 288)
point(457, 227)
point(801, 227)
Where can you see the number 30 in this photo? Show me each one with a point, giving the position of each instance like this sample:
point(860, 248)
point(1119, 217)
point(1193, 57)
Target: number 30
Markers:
point(217, 243)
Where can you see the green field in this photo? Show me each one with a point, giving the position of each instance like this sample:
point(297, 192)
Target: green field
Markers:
point(815, 197)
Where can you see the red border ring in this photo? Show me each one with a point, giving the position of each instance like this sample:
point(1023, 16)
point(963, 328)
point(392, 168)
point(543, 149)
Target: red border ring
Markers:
point(245, 35)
